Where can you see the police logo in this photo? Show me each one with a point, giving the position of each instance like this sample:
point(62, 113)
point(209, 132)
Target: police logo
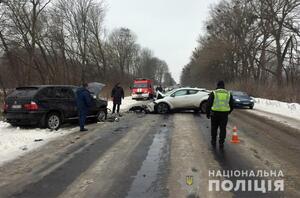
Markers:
point(189, 180)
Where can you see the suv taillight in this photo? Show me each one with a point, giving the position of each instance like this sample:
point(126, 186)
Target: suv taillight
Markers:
point(5, 107)
point(31, 106)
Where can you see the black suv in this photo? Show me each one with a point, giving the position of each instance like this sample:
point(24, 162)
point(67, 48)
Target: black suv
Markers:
point(48, 106)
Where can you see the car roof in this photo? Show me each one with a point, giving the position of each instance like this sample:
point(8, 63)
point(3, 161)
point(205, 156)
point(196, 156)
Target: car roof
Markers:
point(190, 88)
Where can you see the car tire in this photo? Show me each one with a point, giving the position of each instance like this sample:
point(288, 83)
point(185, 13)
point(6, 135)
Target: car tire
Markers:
point(53, 121)
point(162, 108)
point(250, 107)
point(203, 106)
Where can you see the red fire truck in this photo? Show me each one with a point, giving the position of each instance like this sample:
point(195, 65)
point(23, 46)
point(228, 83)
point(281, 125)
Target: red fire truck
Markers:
point(142, 89)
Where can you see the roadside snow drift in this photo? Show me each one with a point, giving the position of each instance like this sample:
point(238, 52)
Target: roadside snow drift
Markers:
point(277, 107)
point(15, 141)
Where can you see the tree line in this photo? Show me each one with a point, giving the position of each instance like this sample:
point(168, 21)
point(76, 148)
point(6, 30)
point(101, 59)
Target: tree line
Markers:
point(65, 42)
point(253, 44)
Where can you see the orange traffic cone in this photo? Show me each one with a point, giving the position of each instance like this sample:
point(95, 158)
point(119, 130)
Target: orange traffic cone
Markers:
point(235, 137)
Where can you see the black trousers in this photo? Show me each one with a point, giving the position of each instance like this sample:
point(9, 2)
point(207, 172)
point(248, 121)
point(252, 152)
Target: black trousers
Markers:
point(218, 120)
point(116, 106)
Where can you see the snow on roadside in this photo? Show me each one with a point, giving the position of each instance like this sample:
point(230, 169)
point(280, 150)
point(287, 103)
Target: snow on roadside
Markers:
point(282, 112)
point(16, 141)
point(277, 107)
point(127, 103)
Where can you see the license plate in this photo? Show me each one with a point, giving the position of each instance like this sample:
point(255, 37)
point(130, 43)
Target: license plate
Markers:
point(16, 106)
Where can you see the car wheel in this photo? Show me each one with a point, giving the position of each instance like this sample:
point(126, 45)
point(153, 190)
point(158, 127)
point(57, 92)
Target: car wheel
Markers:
point(101, 116)
point(53, 121)
point(162, 108)
point(251, 107)
point(203, 107)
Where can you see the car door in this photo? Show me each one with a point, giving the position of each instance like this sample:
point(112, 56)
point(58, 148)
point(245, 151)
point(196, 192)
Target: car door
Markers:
point(192, 98)
point(179, 99)
point(65, 101)
point(46, 98)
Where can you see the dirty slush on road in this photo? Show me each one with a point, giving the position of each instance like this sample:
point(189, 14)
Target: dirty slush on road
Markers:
point(145, 155)
point(109, 161)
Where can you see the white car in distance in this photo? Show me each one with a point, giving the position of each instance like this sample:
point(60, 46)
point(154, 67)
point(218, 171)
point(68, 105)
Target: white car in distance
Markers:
point(181, 99)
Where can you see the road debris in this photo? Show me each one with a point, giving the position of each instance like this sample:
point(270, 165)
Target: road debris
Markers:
point(38, 140)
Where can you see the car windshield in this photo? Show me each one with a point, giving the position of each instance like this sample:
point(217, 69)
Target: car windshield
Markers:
point(170, 92)
point(140, 85)
point(24, 92)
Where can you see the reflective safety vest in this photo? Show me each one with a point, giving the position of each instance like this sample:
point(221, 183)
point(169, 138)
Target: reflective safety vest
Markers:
point(221, 100)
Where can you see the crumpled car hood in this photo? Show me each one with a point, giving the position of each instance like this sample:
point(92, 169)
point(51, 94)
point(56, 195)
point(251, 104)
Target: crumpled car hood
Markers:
point(95, 87)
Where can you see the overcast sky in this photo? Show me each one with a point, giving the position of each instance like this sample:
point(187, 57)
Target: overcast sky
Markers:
point(168, 27)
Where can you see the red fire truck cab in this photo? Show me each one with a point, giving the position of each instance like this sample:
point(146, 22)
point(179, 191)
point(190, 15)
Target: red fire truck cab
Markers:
point(142, 89)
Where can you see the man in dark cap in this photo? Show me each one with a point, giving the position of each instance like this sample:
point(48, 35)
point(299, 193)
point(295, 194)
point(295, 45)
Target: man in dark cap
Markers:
point(84, 100)
point(117, 95)
point(220, 105)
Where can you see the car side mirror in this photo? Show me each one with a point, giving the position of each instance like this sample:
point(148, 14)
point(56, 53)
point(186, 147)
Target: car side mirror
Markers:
point(173, 95)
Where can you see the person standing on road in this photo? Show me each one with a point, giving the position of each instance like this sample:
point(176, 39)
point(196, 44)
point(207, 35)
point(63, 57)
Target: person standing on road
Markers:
point(220, 105)
point(83, 100)
point(159, 88)
point(117, 95)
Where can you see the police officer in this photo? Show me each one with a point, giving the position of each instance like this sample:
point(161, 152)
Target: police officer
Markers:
point(220, 105)
point(84, 100)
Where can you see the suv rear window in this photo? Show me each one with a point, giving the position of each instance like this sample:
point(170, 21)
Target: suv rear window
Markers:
point(24, 92)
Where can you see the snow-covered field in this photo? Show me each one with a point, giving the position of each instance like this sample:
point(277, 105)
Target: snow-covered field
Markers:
point(15, 141)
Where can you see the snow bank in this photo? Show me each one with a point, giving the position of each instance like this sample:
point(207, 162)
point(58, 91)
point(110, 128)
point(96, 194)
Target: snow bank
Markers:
point(276, 107)
point(15, 141)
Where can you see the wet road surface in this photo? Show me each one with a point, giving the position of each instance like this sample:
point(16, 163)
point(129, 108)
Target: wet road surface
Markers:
point(152, 156)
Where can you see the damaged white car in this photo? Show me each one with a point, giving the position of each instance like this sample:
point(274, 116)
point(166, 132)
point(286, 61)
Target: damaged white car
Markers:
point(180, 99)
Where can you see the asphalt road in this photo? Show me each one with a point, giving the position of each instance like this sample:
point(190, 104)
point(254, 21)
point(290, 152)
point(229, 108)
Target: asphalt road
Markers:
point(146, 155)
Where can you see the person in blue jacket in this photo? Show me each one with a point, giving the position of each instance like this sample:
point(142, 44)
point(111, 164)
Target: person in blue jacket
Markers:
point(84, 100)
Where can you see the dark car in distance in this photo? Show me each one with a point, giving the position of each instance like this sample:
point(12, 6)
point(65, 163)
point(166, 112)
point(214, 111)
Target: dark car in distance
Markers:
point(242, 99)
point(48, 106)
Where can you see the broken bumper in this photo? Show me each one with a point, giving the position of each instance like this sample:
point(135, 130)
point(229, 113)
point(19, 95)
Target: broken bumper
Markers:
point(151, 107)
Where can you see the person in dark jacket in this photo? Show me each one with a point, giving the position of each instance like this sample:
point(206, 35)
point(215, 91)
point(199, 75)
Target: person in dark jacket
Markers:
point(117, 95)
point(84, 100)
point(159, 88)
point(220, 105)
